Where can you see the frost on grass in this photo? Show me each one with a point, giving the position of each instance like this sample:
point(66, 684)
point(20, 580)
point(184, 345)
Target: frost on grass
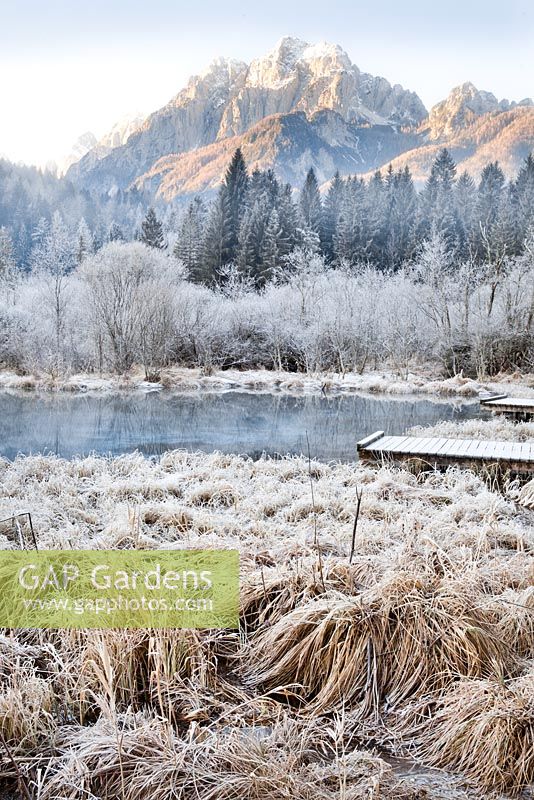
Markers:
point(497, 428)
point(423, 643)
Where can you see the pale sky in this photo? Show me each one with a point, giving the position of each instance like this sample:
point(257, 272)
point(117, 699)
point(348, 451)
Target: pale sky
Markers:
point(67, 67)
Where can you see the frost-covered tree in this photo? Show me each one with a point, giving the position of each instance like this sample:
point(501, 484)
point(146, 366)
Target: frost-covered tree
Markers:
point(188, 247)
point(8, 269)
point(236, 183)
point(115, 233)
point(7, 256)
point(331, 213)
point(53, 258)
point(217, 234)
point(465, 200)
point(401, 219)
point(84, 241)
point(438, 202)
point(152, 231)
point(311, 207)
point(522, 197)
point(271, 246)
point(128, 284)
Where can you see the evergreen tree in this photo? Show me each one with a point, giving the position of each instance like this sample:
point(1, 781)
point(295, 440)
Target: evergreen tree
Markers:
point(22, 243)
point(288, 217)
point(309, 242)
point(271, 247)
point(311, 208)
point(188, 246)
point(401, 217)
point(332, 210)
point(349, 241)
point(465, 199)
point(40, 232)
point(152, 231)
point(235, 182)
point(55, 252)
point(84, 241)
point(373, 246)
point(215, 247)
point(438, 202)
point(489, 205)
point(7, 260)
point(251, 237)
point(115, 233)
point(522, 196)
point(490, 194)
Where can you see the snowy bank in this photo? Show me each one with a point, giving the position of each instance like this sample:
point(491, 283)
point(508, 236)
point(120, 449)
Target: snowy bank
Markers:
point(185, 379)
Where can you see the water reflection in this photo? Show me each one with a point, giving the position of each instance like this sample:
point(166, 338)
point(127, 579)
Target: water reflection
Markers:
point(234, 422)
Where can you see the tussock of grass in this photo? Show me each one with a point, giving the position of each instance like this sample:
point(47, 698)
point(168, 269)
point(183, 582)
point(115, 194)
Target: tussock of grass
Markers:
point(284, 761)
point(382, 646)
point(526, 495)
point(485, 730)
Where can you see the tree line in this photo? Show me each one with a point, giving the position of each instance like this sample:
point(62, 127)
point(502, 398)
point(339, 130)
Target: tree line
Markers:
point(256, 221)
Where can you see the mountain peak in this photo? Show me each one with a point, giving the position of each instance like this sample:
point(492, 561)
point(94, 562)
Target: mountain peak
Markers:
point(289, 46)
point(221, 64)
point(283, 61)
point(231, 97)
point(461, 107)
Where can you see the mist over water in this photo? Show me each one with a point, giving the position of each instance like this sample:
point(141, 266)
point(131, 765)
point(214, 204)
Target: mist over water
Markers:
point(233, 422)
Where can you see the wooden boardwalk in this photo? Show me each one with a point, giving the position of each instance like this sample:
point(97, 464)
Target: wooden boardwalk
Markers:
point(436, 452)
point(517, 407)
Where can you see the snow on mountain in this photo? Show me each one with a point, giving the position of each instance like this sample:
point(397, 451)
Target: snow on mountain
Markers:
point(122, 130)
point(99, 148)
point(81, 146)
point(230, 97)
point(297, 106)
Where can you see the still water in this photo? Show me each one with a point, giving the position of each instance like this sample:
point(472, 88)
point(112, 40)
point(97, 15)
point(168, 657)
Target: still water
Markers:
point(233, 422)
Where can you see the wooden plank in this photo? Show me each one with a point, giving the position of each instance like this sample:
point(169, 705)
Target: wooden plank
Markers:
point(506, 451)
point(486, 450)
point(424, 444)
point(525, 451)
point(492, 397)
point(474, 449)
point(382, 444)
point(463, 446)
point(440, 450)
point(510, 402)
point(404, 444)
point(362, 444)
point(457, 447)
point(415, 445)
point(435, 445)
point(447, 447)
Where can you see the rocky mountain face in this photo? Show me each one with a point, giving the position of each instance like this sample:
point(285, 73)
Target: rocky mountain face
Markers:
point(461, 109)
point(122, 130)
point(301, 106)
point(506, 137)
point(476, 128)
point(95, 149)
point(83, 144)
point(231, 97)
point(291, 143)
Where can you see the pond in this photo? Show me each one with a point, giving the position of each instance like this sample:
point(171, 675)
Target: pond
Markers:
point(232, 422)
